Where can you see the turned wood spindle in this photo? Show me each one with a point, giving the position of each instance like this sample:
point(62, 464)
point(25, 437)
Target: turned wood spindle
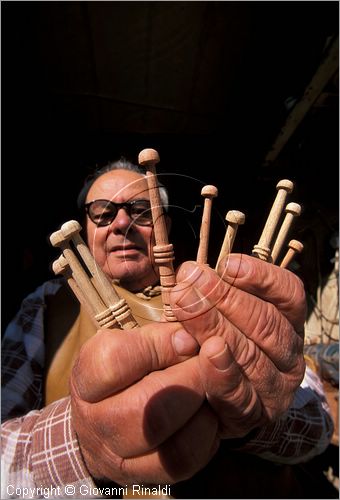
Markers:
point(235, 219)
point(163, 250)
point(61, 266)
point(103, 315)
point(262, 249)
point(208, 192)
point(292, 210)
point(107, 292)
point(294, 247)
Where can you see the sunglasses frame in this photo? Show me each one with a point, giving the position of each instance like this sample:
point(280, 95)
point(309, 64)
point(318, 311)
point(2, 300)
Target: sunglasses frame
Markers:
point(127, 205)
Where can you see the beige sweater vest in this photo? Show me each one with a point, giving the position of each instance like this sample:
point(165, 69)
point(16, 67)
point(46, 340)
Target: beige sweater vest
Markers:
point(68, 326)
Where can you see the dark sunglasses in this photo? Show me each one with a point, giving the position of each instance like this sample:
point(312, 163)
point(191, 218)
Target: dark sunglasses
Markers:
point(103, 212)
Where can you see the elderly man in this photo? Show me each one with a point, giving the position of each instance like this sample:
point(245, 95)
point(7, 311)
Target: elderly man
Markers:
point(157, 405)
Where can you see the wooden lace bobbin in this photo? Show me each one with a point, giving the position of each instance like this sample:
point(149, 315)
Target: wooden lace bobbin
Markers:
point(61, 266)
point(292, 210)
point(163, 250)
point(208, 192)
point(262, 249)
point(294, 247)
point(103, 314)
point(235, 219)
point(118, 306)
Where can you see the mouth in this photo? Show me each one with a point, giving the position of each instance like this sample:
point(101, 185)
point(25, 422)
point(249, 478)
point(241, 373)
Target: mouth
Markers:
point(125, 250)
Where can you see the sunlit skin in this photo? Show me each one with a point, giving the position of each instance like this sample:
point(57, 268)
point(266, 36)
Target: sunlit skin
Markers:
point(123, 250)
point(150, 405)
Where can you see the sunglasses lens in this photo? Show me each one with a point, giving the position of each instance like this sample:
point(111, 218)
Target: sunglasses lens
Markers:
point(140, 212)
point(102, 212)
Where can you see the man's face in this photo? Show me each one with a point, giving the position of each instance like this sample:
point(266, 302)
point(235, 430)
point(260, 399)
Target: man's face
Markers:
point(122, 249)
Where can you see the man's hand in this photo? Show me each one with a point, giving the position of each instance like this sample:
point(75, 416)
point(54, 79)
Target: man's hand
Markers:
point(139, 397)
point(248, 320)
point(138, 406)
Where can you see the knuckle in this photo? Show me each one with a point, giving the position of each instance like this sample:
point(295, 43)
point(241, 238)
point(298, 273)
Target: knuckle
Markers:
point(295, 296)
point(249, 358)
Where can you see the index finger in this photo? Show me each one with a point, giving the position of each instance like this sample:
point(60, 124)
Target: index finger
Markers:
point(270, 283)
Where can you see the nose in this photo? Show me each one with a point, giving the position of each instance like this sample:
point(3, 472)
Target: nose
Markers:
point(122, 222)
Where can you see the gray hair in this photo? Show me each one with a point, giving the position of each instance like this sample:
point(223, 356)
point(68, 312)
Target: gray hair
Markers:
point(121, 164)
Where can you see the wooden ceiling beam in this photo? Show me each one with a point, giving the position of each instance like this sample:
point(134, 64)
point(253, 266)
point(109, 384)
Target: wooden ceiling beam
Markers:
point(325, 72)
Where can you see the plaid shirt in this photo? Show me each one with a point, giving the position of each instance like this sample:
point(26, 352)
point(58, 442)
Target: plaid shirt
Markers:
point(40, 450)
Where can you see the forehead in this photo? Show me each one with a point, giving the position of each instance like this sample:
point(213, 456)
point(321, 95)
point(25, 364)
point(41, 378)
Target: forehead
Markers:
point(119, 185)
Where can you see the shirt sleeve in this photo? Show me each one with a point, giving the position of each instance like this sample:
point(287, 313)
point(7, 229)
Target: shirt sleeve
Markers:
point(302, 433)
point(33, 444)
point(40, 452)
point(23, 354)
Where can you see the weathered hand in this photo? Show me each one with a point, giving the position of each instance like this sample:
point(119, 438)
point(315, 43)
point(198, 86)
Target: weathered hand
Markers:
point(138, 405)
point(249, 321)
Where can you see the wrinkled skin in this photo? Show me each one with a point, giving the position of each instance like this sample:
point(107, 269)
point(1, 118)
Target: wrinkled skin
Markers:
point(151, 405)
point(123, 250)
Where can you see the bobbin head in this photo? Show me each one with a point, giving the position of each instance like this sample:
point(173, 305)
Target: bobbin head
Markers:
point(235, 217)
point(60, 266)
point(209, 191)
point(68, 229)
point(57, 238)
point(293, 208)
point(286, 185)
point(295, 245)
point(148, 156)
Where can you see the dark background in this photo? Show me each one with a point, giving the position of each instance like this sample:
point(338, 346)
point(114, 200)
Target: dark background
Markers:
point(204, 83)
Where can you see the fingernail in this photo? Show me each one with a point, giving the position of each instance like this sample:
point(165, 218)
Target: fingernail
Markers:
point(220, 360)
point(189, 271)
point(236, 267)
point(191, 301)
point(184, 344)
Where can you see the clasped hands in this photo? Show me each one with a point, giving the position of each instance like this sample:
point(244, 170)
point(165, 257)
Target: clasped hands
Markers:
point(151, 405)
